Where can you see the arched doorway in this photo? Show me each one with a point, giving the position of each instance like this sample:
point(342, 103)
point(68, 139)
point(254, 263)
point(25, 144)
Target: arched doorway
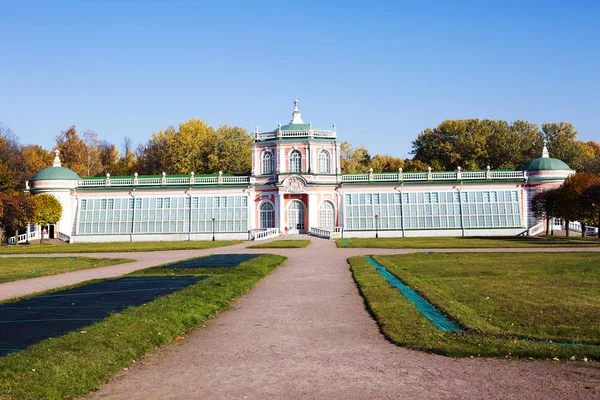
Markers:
point(326, 215)
point(266, 215)
point(295, 217)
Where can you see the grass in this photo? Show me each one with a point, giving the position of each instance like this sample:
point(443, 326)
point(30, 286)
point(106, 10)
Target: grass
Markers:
point(113, 247)
point(15, 269)
point(462, 242)
point(507, 303)
point(282, 244)
point(75, 364)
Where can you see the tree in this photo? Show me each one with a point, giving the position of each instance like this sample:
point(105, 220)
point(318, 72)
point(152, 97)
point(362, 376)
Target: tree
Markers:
point(72, 150)
point(233, 150)
point(91, 153)
point(48, 210)
point(352, 160)
point(19, 211)
point(545, 205)
point(35, 158)
point(572, 202)
point(563, 144)
point(592, 199)
point(109, 156)
point(385, 163)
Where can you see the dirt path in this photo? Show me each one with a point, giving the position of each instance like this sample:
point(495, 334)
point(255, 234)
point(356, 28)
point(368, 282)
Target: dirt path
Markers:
point(304, 333)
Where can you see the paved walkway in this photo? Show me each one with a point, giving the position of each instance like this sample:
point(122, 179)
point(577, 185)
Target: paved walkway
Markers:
point(304, 333)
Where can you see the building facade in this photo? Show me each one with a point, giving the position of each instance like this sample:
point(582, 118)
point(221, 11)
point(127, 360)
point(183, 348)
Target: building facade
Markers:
point(296, 186)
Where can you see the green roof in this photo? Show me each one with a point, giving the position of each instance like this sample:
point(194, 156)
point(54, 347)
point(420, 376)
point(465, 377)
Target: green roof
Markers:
point(546, 164)
point(55, 174)
point(294, 127)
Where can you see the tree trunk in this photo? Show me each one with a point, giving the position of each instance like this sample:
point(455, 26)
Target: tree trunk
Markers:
point(41, 235)
point(547, 226)
point(17, 237)
point(567, 226)
point(582, 229)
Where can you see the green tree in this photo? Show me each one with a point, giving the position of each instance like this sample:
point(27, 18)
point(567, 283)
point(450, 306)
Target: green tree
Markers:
point(592, 200)
point(572, 202)
point(563, 144)
point(48, 210)
point(233, 150)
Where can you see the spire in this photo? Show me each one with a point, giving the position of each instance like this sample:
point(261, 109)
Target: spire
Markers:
point(545, 153)
point(56, 159)
point(296, 115)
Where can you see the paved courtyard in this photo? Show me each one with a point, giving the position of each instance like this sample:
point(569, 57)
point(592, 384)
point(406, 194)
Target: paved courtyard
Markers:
point(303, 332)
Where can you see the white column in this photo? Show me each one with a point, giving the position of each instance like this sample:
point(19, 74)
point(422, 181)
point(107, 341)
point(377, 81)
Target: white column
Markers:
point(308, 158)
point(251, 211)
point(280, 159)
point(313, 211)
point(281, 208)
point(337, 158)
point(255, 169)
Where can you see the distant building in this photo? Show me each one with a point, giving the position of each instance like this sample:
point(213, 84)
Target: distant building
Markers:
point(296, 186)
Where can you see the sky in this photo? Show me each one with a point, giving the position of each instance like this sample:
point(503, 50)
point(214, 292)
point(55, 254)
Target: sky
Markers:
point(382, 71)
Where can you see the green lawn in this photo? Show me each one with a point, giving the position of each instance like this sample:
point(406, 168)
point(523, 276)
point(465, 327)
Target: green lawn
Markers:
point(505, 302)
point(463, 242)
point(79, 362)
point(113, 247)
point(14, 269)
point(282, 244)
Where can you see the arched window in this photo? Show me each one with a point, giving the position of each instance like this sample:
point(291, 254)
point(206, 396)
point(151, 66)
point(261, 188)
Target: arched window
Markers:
point(326, 215)
point(324, 165)
point(267, 215)
point(295, 161)
point(267, 163)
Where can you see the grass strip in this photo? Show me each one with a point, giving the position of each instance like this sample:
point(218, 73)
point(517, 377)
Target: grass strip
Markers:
point(462, 289)
point(462, 242)
point(114, 247)
point(15, 269)
point(281, 244)
point(79, 362)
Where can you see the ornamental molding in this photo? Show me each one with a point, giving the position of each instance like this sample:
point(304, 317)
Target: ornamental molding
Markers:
point(294, 184)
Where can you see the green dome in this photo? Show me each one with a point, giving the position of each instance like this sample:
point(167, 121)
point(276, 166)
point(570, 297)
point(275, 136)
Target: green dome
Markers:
point(55, 174)
point(546, 164)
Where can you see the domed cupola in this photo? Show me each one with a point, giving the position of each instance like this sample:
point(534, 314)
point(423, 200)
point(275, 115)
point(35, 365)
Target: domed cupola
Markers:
point(547, 167)
point(54, 177)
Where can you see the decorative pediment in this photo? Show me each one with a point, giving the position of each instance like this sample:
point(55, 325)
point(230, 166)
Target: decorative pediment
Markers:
point(294, 184)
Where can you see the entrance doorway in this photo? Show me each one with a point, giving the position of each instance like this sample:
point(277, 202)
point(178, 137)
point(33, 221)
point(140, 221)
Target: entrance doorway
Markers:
point(295, 217)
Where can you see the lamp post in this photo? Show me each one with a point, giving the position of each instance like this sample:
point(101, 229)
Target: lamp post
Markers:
point(213, 228)
point(376, 226)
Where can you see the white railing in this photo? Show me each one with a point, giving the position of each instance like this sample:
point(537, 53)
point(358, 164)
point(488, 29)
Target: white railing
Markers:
point(318, 133)
point(172, 181)
point(534, 230)
point(64, 237)
point(576, 227)
point(325, 134)
point(435, 176)
point(22, 239)
point(262, 234)
point(327, 233)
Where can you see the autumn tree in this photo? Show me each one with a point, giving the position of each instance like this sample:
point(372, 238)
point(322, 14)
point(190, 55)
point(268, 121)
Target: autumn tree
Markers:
point(109, 156)
point(35, 158)
point(572, 201)
point(48, 210)
point(233, 150)
point(385, 163)
point(71, 148)
point(353, 160)
point(19, 211)
point(592, 200)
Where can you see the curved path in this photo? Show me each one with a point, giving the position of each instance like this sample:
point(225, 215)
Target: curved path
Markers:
point(303, 333)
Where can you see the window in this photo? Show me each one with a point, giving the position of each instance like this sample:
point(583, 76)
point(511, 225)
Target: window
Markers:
point(324, 164)
point(267, 163)
point(295, 161)
point(326, 215)
point(267, 216)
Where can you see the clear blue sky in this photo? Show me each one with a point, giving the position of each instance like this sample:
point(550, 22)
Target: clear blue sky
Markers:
point(381, 70)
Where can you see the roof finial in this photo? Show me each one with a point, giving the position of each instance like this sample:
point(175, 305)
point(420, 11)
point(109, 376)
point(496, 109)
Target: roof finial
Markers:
point(296, 115)
point(56, 159)
point(545, 153)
